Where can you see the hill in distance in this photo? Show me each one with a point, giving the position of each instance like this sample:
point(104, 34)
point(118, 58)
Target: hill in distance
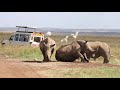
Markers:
point(68, 31)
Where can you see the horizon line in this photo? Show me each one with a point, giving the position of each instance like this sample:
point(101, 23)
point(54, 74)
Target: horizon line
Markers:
point(62, 28)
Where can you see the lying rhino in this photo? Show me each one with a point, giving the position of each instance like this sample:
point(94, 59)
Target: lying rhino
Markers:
point(101, 49)
point(47, 47)
point(73, 51)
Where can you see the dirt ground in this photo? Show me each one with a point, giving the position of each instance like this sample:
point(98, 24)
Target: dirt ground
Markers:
point(11, 68)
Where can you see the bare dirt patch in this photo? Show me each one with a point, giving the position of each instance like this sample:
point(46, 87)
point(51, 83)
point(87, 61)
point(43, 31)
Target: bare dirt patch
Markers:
point(11, 68)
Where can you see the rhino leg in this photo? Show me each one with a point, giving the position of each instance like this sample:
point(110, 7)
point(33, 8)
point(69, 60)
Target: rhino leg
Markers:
point(96, 55)
point(52, 52)
point(105, 55)
point(45, 59)
point(42, 50)
point(85, 57)
point(82, 57)
point(106, 60)
point(44, 56)
point(88, 55)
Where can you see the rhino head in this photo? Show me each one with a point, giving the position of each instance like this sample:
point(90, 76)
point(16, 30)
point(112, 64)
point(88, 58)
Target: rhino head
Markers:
point(84, 45)
point(48, 51)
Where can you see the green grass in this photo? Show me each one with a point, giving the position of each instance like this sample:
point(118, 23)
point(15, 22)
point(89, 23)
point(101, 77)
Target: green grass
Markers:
point(99, 72)
point(23, 52)
point(27, 52)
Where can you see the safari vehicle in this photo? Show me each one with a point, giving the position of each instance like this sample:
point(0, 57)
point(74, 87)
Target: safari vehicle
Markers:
point(24, 37)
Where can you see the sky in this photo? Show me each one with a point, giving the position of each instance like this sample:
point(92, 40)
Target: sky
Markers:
point(74, 20)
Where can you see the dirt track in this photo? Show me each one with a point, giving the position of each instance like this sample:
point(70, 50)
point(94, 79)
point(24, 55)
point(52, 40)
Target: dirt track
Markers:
point(10, 68)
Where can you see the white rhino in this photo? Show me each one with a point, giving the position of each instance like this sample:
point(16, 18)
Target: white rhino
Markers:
point(47, 47)
point(73, 51)
point(101, 49)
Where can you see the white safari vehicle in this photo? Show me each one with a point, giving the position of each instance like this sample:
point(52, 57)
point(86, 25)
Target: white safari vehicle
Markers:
point(25, 37)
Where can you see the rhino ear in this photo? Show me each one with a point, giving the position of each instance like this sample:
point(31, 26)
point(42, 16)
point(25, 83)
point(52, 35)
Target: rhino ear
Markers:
point(78, 42)
point(52, 45)
point(81, 42)
point(86, 41)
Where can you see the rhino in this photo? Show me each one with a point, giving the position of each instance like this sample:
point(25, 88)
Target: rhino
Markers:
point(73, 51)
point(101, 49)
point(47, 47)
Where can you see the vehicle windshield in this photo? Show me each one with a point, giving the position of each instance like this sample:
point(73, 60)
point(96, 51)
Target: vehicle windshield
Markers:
point(37, 39)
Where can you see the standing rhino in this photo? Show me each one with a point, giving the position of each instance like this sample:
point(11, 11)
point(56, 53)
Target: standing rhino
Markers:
point(101, 49)
point(73, 51)
point(47, 47)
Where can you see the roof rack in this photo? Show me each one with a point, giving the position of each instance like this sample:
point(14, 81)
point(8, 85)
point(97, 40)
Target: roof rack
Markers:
point(26, 28)
point(24, 32)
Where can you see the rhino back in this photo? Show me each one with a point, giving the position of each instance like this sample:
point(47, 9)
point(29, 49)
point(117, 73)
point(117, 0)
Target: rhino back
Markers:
point(69, 49)
point(103, 48)
point(68, 52)
point(94, 45)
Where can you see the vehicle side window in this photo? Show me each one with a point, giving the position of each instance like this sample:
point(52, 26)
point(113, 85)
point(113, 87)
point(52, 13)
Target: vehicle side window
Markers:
point(24, 38)
point(16, 37)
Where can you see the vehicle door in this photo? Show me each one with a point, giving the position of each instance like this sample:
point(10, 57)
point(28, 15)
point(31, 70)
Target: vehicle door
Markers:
point(20, 39)
point(23, 39)
point(14, 40)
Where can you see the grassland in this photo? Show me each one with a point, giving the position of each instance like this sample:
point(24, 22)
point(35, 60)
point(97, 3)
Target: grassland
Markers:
point(93, 72)
point(27, 52)
point(30, 53)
